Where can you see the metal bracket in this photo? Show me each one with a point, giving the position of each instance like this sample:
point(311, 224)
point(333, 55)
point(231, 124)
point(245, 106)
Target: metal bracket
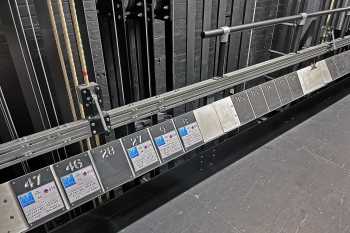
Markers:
point(302, 21)
point(91, 99)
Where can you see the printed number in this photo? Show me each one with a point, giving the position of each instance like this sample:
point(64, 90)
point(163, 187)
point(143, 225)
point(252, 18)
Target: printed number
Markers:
point(107, 152)
point(73, 165)
point(162, 129)
point(186, 121)
point(33, 181)
point(136, 140)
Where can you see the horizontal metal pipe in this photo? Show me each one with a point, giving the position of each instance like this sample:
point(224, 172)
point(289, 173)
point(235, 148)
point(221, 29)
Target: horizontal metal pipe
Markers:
point(270, 22)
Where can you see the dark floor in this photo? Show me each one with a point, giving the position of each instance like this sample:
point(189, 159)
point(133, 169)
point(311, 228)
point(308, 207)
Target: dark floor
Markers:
point(298, 180)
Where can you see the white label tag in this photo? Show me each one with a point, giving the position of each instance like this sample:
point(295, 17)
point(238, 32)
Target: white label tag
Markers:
point(168, 144)
point(142, 155)
point(80, 184)
point(40, 202)
point(190, 134)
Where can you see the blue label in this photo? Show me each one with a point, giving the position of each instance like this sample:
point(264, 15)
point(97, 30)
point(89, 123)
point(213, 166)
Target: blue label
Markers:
point(26, 199)
point(183, 132)
point(160, 141)
point(68, 181)
point(133, 152)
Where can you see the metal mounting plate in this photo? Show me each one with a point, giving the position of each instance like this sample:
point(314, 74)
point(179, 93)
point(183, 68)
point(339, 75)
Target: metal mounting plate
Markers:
point(257, 99)
point(78, 179)
point(271, 95)
point(111, 165)
point(11, 218)
point(227, 114)
point(141, 152)
point(189, 131)
point(38, 196)
point(311, 79)
point(295, 86)
point(208, 122)
point(283, 90)
point(243, 107)
point(167, 140)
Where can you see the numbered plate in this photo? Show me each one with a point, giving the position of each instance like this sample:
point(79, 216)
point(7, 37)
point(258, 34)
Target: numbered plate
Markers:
point(257, 99)
point(295, 86)
point(208, 122)
point(11, 218)
point(78, 179)
point(243, 107)
point(166, 140)
point(283, 90)
point(111, 165)
point(311, 78)
point(189, 131)
point(38, 196)
point(271, 95)
point(227, 114)
point(141, 152)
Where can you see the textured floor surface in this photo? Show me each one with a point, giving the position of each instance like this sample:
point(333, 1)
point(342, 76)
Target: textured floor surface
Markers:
point(297, 182)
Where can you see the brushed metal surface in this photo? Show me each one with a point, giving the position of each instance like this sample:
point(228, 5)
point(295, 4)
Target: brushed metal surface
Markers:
point(313, 78)
point(208, 122)
point(111, 165)
point(227, 114)
point(11, 217)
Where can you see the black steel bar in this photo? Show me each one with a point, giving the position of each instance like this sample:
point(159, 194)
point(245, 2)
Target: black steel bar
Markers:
point(266, 23)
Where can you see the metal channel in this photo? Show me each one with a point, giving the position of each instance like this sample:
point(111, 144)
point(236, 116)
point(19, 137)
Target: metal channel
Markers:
point(18, 150)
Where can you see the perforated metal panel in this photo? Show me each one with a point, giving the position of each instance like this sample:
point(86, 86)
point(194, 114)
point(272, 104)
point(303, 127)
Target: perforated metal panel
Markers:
point(283, 90)
point(257, 99)
point(227, 114)
point(295, 86)
point(167, 140)
point(243, 107)
point(141, 152)
point(78, 179)
point(111, 164)
point(332, 67)
point(38, 196)
point(189, 131)
point(208, 123)
point(271, 95)
point(11, 217)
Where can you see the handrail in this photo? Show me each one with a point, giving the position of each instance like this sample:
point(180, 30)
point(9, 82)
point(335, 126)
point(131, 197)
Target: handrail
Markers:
point(266, 23)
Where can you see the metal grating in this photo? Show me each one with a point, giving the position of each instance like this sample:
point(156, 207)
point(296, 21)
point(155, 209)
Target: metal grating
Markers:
point(243, 107)
point(271, 95)
point(283, 90)
point(257, 99)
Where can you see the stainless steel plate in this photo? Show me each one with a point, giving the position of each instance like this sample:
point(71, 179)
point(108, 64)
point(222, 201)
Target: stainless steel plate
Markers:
point(78, 179)
point(167, 140)
point(208, 122)
point(111, 165)
point(311, 78)
point(227, 114)
point(141, 152)
point(11, 217)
